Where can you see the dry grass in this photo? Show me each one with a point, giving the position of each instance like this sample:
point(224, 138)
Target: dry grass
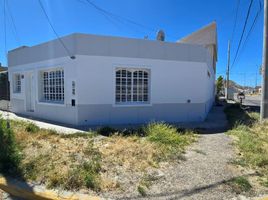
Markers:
point(251, 140)
point(89, 161)
point(132, 153)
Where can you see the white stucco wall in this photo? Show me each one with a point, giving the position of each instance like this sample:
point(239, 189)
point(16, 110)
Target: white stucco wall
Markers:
point(171, 81)
point(178, 73)
point(64, 113)
point(172, 84)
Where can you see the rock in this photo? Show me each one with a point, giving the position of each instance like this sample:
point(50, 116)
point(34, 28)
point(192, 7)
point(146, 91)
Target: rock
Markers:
point(156, 174)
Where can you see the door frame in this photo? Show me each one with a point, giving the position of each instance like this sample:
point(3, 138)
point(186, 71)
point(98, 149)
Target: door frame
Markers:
point(30, 91)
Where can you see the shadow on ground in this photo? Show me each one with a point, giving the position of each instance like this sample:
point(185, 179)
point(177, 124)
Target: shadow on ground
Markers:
point(188, 193)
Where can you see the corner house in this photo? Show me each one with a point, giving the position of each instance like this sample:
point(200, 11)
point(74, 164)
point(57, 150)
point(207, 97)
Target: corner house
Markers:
point(102, 80)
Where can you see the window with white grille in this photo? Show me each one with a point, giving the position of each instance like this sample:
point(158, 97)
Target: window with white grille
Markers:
point(132, 86)
point(53, 86)
point(17, 83)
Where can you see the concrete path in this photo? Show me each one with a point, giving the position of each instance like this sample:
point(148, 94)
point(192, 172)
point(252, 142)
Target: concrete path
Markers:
point(46, 125)
point(216, 121)
point(201, 176)
point(206, 168)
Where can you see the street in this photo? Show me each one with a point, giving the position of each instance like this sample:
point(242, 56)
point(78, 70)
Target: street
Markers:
point(252, 100)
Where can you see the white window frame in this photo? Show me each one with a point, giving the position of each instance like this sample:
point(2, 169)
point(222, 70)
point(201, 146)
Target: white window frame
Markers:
point(133, 102)
point(17, 83)
point(61, 83)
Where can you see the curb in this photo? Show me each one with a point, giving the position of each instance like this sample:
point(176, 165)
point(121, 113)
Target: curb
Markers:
point(18, 189)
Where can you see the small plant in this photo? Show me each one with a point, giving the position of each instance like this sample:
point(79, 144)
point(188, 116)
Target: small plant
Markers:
point(265, 182)
point(240, 184)
point(92, 181)
point(141, 190)
point(52, 132)
point(32, 128)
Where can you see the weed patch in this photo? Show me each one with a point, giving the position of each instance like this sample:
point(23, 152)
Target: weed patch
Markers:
point(240, 184)
point(168, 138)
point(141, 189)
point(90, 161)
point(251, 139)
point(32, 128)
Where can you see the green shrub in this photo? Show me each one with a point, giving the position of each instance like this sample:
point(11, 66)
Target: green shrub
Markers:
point(238, 115)
point(170, 140)
point(106, 131)
point(10, 156)
point(32, 128)
point(166, 135)
point(240, 184)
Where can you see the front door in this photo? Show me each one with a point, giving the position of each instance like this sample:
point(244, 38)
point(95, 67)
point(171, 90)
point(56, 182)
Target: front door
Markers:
point(30, 95)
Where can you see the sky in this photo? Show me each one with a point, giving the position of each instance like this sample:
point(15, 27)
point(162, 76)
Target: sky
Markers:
point(177, 18)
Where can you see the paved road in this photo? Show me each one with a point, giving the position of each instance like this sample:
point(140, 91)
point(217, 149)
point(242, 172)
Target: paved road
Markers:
point(252, 101)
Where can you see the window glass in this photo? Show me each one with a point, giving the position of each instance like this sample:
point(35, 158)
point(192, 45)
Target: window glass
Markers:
point(17, 83)
point(53, 86)
point(132, 86)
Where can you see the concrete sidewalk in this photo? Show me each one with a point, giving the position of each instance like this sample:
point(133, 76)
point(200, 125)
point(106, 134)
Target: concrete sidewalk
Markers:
point(42, 124)
point(216, 121)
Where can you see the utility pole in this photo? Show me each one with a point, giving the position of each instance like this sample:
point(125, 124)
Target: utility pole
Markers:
point(227, 72)
point(256, 80)
point(264, 101)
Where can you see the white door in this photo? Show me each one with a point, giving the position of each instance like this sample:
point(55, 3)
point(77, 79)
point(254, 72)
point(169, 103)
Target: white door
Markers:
point(30, 95)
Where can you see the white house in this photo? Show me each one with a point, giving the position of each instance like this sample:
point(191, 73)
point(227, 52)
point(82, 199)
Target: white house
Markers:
point(114, 80)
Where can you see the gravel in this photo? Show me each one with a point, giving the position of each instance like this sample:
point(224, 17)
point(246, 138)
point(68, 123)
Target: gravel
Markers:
point(200, 176)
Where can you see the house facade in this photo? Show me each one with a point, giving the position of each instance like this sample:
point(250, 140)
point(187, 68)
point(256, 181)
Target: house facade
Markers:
point(105, 80)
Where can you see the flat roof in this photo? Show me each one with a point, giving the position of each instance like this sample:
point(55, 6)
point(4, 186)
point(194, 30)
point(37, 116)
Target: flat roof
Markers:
point(99, 45)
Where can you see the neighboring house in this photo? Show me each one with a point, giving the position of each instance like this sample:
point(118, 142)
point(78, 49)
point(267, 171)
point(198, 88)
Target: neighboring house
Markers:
point(4, 88)
point(114, 80)
point(232, 92)
point(3, 69)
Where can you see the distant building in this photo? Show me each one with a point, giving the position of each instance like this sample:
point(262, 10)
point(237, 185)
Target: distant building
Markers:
point(4, 88)
point(2, 69)
point(115, 80)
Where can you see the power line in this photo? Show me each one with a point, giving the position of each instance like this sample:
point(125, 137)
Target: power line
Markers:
point(250, 30)
point(235, 22)
point(55, 32)
point(244, 28)
point(119, 17)
point(107, 16)
point(5, 49)
point(13, 24)
point(253, 24)
point(5, 29)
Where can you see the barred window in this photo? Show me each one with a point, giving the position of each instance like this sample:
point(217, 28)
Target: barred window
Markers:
point(53, 86)
point(17, 83)
point(132, 86)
